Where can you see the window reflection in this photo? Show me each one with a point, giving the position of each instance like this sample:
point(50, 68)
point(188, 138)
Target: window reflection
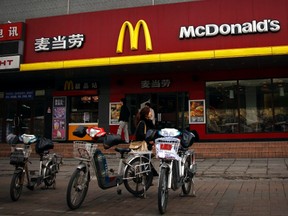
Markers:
point(222, 107)
point(244, 106)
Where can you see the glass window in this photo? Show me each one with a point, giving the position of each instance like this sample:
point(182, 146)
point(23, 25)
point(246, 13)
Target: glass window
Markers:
point(244, 106)
point(84, 109)
point(280, 104)
point(255, 102)
point(222, 109)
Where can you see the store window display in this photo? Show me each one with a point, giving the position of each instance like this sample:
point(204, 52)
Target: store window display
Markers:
point(247, 106)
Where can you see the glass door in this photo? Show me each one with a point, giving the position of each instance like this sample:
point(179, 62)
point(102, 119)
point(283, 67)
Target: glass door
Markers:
point(18, 117)
point(24, 117)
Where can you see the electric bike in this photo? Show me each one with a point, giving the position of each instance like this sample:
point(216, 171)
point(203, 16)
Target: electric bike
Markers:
point(177, 163)
point(49, 165)
point(135, 172)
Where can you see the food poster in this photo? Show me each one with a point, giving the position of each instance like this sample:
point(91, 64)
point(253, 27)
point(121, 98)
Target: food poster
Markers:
point(197, 111)
point(114, 113)
point(59, 128)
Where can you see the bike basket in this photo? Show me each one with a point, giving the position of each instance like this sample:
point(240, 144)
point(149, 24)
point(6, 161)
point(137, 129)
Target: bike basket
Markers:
point(83, 150)
point(17, 158)
point(167, 148)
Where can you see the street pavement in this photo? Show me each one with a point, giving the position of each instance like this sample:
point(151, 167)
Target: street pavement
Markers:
point(241, 187)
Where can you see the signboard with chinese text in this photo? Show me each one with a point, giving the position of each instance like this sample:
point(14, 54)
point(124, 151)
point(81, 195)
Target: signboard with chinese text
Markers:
point(59, 43)
point(70, 85)
point(114, 113)
point(59, 124)
point(11, 31)
point(197, 112)
point(163, 83)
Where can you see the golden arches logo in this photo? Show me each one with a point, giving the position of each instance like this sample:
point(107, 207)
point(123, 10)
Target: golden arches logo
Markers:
point(134, 36)
point(68, 85)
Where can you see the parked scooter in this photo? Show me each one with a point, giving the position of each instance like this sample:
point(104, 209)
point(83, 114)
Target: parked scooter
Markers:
point(177, 163)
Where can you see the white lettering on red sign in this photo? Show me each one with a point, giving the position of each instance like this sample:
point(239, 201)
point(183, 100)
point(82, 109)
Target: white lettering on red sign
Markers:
point(59, 43)
point(212, 30)
point(11, 31)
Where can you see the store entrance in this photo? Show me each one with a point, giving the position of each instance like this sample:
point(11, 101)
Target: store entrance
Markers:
point(171, 109)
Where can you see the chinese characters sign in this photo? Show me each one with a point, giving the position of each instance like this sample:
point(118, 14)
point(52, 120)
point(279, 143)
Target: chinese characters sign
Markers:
point(71, 85)
point(197, 112)
point(165, 83)
point(59, 42)
point(59, 119)
point(11, 31)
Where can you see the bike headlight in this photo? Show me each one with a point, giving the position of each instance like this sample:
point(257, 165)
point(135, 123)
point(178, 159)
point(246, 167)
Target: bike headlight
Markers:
point(169, 132)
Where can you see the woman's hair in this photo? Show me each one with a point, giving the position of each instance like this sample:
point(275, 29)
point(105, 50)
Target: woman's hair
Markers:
point(144, 112)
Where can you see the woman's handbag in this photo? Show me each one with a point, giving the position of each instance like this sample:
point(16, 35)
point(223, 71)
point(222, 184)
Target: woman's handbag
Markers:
point(139, 145)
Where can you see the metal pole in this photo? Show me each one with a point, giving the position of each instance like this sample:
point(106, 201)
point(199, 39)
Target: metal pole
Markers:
point(68, 6)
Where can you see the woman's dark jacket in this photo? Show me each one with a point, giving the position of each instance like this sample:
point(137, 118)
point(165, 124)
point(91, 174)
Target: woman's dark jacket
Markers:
point(140, 132)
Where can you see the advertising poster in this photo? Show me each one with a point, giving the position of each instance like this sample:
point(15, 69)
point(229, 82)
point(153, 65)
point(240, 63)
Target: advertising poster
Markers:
point(114, 113)
point(197, 112)
point(59, 128)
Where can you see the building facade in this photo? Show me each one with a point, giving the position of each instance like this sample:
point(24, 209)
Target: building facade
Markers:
point(204, 65)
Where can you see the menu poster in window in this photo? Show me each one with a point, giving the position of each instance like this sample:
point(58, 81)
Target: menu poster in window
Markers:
point(114, 113)
point(197, 112)
point(59, 127)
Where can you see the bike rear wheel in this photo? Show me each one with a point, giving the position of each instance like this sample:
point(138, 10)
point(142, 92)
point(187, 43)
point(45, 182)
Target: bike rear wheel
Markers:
point(163, 191)
point(49, 174)
point(186, 187)
point(77, 188)
point(136, 177)
point(16, 185)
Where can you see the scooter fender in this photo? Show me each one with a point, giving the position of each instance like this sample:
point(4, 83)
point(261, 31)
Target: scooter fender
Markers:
point(81, 166)
point(18, 170)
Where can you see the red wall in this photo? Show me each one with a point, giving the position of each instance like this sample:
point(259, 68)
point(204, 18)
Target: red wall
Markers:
point(101, 29)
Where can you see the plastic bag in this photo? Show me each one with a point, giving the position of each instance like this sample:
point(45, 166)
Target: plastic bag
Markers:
point(43, 144)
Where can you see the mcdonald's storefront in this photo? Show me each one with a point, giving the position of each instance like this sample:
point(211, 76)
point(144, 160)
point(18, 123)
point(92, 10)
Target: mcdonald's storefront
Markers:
point(207, 65)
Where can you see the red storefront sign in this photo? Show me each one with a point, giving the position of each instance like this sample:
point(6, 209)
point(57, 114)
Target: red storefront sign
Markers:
point(11, 31)
point(171, 28)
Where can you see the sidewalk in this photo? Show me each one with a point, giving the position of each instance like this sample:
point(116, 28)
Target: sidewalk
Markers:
point(256, 187)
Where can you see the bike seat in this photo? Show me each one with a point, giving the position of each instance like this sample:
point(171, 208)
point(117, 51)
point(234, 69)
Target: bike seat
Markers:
point(122, 151)
point(28, 138)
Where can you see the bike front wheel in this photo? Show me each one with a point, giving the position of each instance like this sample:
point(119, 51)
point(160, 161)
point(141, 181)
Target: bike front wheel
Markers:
point(16, 185)
point(77, 188)
point(138, 176)
point(163, 190)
